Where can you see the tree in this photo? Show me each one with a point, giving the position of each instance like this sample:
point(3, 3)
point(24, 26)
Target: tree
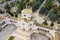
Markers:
point(58, 22)
point(7, 7)
point(37, 5)
point(31, 4)
point(59, 1)
point(22, 0)
point(43, 10)
point(53, 17)
point(49, 5)
point(22, 5)
point(27, 1)
point(12, 4)
point(7, 0)
point(2, 1)
point(11, 38)
point(45, 22)
point(52, 24)
point(55, 9)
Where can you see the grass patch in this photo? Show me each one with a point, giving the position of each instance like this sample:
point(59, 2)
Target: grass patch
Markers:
point(11, 38)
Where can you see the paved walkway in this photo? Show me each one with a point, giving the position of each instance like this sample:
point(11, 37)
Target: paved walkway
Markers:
point(21, 34)
point(5, 33)
point(36, 15)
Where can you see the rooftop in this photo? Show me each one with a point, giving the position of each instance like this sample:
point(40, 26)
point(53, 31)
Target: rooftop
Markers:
point(26, 11)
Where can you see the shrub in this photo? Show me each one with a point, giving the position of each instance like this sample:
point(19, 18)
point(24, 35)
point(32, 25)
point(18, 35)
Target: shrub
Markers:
point(58, 22)
point(11, 38)
point(52, 24)
point(22, 5)
point(7, 7)
point(45, 22)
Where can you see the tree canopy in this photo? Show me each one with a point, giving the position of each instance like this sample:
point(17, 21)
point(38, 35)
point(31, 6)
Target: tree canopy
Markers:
point(7, 7)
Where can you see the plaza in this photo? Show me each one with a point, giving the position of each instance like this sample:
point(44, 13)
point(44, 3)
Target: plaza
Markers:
point(30, 20)
point(7, 31)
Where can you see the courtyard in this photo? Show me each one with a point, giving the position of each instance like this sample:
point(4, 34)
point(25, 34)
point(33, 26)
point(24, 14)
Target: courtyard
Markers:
point(37, 36)
point(7, 31)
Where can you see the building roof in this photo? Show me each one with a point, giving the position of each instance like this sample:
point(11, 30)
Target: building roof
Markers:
point(27, 11)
